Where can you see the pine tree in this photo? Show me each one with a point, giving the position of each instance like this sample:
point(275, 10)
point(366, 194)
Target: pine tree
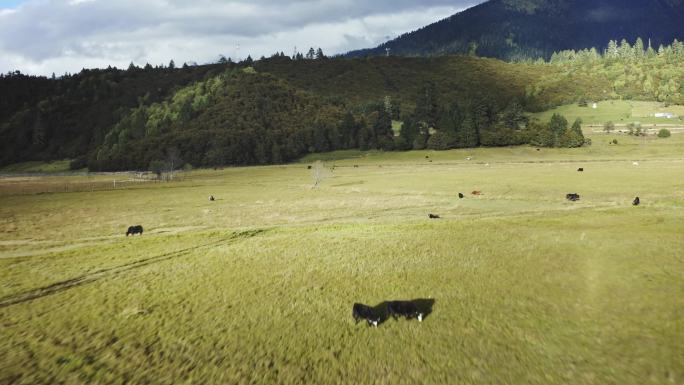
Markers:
point(38, 137)
point(276, 154)
point(409, 130)
point(542, 136)
point(427, 105)
point(558, 125)
point(612, 51)
point(469, 136)
point(625, 50)
point(578, 136)
point(639, 48)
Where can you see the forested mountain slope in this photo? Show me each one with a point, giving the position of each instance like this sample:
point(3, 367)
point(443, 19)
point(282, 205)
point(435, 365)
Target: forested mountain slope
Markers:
point(529, 29)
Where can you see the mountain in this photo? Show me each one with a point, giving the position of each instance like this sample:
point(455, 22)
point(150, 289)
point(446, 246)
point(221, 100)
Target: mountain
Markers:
point(278, 109)
point(81, 114)
point(529, 29)
point(43, 118)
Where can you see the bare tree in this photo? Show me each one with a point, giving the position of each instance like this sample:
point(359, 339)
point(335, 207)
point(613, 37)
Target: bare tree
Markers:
point(173, 160)
point(318, 173)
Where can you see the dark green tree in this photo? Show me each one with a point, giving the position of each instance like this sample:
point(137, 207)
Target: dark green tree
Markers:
point(558, 126)
point(427, 106)
point(542, 135)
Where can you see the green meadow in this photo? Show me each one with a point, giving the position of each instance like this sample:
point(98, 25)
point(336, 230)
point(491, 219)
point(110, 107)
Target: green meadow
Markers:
point(620, 112)
point(257, 286)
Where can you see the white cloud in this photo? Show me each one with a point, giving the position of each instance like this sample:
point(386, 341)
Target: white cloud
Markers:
point(45, 36)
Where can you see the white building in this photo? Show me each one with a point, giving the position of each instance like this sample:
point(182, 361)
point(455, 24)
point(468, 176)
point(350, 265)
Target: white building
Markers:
point(667, 115)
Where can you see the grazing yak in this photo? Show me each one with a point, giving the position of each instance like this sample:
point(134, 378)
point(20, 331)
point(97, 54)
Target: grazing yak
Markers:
point(211, 198)
point(636, 201)
point(461, 196)
point(572, 197)
point(132, 230)
point(361, 311)
point(476, 192)
point(433, 216)
point(406, 309)
point(581, 169)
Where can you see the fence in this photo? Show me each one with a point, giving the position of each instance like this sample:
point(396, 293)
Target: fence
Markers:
point(68, 183)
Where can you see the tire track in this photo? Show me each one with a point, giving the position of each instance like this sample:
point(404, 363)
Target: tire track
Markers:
point(84, 279)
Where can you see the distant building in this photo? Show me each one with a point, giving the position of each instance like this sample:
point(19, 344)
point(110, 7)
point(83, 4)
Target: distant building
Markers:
point(667, 115)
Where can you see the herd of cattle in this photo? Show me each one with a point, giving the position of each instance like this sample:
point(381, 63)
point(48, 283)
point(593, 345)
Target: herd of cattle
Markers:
point(573, 197)
point(395, 309)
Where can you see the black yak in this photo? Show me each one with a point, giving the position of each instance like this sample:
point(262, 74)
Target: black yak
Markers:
point(132, 230)
point(572, 197)
point(361, 311)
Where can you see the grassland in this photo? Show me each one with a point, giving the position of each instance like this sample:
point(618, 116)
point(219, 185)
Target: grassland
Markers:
point(257, 287)
point(620, 112)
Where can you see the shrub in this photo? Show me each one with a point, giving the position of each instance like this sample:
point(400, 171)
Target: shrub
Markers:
point(441, 140)
point(81, 162)
point(157, 167)
point(608, 127)
point(401, 144)
point(664, 133)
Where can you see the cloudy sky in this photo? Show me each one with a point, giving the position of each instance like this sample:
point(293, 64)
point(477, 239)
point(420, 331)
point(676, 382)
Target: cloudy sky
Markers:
point(46, 36)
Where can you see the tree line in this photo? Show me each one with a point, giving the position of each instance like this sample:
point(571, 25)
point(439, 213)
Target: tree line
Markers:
point(277, 109)
point(633, 71)
point(242, 117)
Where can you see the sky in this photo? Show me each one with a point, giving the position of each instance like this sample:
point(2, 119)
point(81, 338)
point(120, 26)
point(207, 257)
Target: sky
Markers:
point(42, 37)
